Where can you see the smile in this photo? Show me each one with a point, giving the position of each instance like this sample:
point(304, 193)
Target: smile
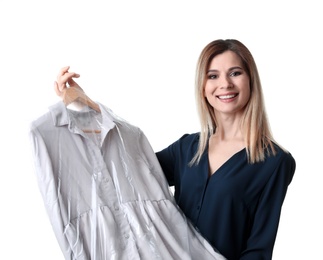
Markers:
point(224, 97)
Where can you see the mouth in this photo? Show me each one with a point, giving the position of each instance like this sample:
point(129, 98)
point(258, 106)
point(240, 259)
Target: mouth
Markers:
point(227, 96)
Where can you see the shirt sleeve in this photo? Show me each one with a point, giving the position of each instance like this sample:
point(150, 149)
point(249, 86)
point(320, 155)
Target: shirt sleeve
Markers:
point(48, 188)
point(265, 225)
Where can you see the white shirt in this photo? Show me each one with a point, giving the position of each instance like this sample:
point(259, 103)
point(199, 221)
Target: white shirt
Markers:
point(105, 193)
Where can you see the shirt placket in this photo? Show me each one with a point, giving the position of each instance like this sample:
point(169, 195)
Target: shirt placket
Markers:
point(104, 194)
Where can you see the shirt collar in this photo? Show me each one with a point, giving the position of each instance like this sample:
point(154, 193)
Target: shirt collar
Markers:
point(60, 115)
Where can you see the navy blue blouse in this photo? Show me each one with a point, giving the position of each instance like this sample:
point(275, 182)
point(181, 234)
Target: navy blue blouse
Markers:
point(237, 209)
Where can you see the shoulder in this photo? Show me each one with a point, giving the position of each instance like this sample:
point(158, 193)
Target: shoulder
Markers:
point(187, 141)
point(42, 122)
point(189, 138)
point(282, 155)
point(282, 161)
point(123, 126)
point(186, 144)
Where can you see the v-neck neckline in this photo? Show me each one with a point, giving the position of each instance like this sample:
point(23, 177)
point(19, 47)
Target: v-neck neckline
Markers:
point(219, 169)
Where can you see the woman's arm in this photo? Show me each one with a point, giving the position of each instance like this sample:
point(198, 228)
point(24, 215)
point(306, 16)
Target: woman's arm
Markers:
point(261, 241)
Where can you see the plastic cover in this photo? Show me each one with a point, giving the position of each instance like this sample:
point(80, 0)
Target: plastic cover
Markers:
point(104, 190)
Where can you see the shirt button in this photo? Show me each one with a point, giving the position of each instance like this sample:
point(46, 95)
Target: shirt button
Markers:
point(126, 236)
point(198, 207)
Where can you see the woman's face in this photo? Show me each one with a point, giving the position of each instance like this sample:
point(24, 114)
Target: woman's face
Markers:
point(227, 88)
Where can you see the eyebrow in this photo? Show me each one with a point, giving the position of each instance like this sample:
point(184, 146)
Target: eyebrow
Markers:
point(232, 68)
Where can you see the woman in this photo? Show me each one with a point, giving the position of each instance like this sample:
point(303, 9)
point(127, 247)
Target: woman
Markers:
point(231, 178)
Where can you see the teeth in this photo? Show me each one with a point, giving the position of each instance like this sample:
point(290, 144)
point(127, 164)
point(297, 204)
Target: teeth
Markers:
point(227, 96)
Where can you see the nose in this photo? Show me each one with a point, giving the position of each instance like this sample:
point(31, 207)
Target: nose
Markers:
point(225, 82)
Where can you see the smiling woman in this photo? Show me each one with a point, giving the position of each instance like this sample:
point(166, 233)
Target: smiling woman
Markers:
point(231, 178)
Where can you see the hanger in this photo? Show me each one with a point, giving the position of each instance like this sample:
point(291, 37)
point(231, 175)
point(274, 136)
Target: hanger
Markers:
point(75, 94)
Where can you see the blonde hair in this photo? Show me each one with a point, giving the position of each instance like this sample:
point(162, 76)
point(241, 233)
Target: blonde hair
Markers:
point(255, 126)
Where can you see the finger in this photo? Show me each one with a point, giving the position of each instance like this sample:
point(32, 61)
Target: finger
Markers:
point(72, 83)
point(61, 82)
point(63, 71)
point(66, 78)
point(58, 92)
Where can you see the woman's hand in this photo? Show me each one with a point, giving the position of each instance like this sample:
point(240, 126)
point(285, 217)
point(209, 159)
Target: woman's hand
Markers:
point(65, 77)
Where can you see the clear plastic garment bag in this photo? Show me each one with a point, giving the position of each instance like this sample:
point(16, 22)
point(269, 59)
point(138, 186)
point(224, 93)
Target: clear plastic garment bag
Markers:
point(104, 190)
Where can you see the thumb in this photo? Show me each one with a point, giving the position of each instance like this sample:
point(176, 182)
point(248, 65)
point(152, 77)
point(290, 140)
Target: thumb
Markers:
point(57, 91)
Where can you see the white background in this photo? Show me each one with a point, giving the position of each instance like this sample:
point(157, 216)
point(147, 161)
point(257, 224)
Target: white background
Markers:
point(138, 58)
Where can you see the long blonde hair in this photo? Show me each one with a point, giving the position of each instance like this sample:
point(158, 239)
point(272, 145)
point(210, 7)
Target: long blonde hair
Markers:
point(254, 125)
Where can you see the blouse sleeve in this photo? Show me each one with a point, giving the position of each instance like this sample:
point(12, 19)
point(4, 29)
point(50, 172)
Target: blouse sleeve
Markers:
point(264, 229)
point(167, 162)
point(167, 159)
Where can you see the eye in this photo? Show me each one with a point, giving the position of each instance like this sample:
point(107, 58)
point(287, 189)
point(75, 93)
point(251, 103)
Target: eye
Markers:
point(235, 73)
point(212, 76)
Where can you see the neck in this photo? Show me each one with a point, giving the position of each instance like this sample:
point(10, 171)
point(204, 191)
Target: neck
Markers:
point(228, 128)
